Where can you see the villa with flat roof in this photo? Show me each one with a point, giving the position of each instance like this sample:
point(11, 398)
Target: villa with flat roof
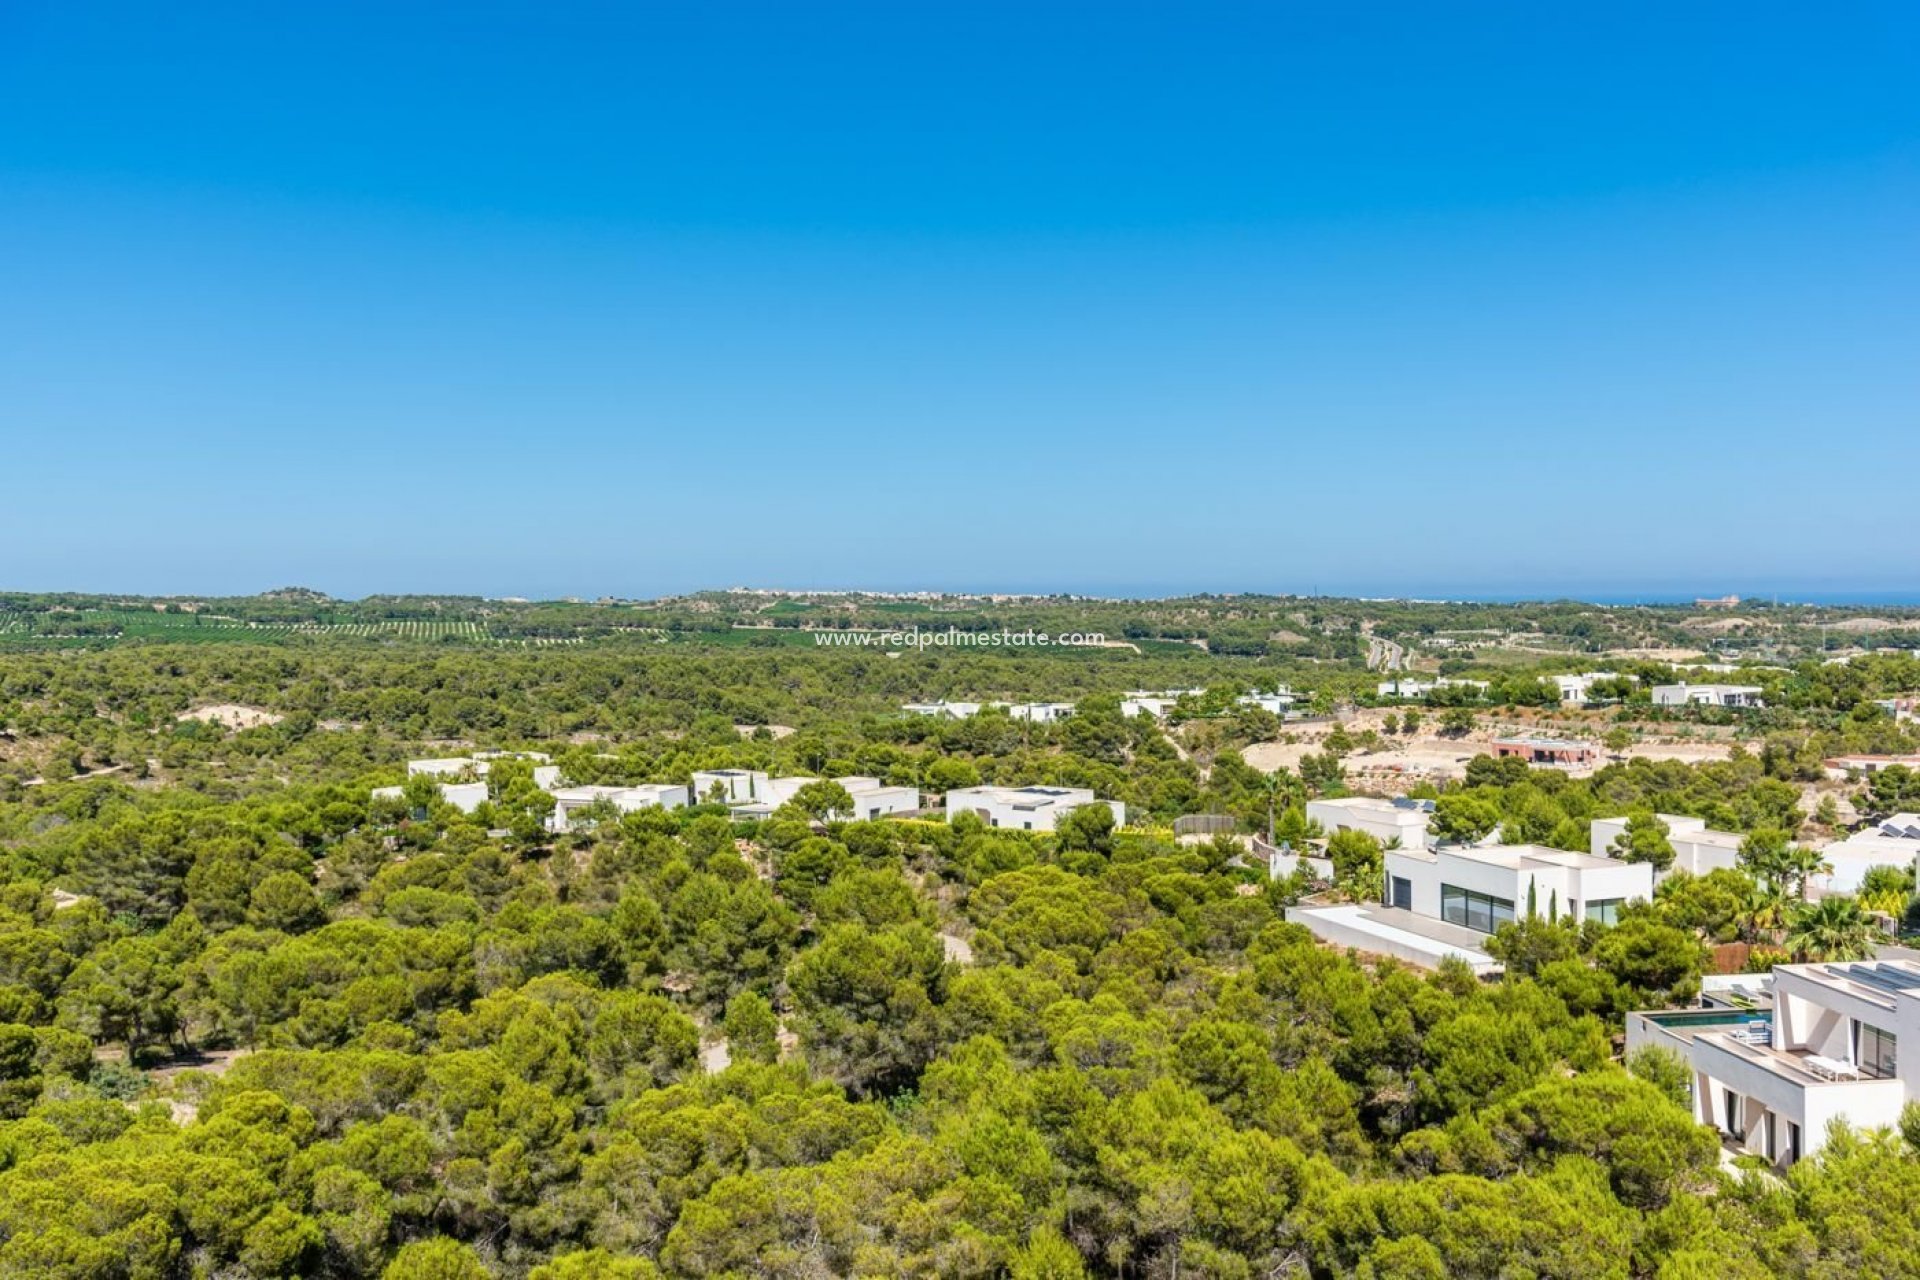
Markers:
point(1828, 1051)
point(1026, 808)
point(1696, 848)
point(1443, 902)
point(1557, 752)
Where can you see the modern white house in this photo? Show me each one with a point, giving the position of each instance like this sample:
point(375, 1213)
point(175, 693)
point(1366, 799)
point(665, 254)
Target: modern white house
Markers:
point(1277, 703)
point(1410, 687)
point(1708, 695)
point(545, 775)
point(1578, 690)
point(1040, 712)
point(1156, 704)
point(1892, 842)
point(873, 798)
point(1481, 887)
point(1442, 903)
point(570, 802)
point(1697, 849)
point(464, 796)
point(1401, 822)
point(732, 786)
point(1772, 1081)
point(1026, 808)
point(943, 709)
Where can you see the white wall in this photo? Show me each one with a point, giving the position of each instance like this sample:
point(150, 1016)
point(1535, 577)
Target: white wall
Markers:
point(1384, 823)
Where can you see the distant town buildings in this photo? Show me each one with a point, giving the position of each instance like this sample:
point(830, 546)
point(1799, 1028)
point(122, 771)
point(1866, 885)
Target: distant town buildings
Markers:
point(1717, 602)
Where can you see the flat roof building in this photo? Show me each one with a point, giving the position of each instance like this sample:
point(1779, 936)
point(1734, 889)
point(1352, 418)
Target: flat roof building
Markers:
point(1563, 753)
point(1036, 808)
point(570, 802)
point(1696, 849)
point(1773, 1080)
point(1708, 695)
point(1402, 822)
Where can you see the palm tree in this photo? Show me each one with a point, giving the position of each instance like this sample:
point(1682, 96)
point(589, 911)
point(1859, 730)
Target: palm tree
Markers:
point(1833, 929)
point(1800, 863)
point(1766, 909)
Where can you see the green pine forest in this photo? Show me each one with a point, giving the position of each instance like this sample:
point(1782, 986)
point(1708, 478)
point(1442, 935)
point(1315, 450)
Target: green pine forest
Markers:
point(254, 1023)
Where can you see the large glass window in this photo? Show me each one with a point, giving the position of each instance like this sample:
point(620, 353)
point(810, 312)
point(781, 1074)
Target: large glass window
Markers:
point(1873, 1051)
point(1478, 911)
point(1605, 910)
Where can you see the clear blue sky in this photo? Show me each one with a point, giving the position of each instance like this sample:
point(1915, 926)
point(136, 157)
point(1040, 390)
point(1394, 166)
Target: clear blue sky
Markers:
point(550, 298)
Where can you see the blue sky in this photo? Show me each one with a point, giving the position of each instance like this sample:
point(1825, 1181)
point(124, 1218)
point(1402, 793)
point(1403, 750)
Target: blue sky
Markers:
point(544, 299)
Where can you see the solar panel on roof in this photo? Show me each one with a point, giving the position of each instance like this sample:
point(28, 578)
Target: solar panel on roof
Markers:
point(1887, 977)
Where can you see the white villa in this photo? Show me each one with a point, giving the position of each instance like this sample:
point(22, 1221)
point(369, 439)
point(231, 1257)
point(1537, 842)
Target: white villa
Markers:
point(1442, 903)
point(732, 786)
point(1409, 687)
point(1578, 690)
point(1707, 695)
point(943, 709)
point(1392, 822)
point(464, 796)
point(1481, 887)
point(545, 775)
point(1696, 848)
point(1026, 808)
point(1037, 712)
point(1276, 703)
point(1142, 701)
point(568, 802)
point(1894, 842)
point(1828, 1051)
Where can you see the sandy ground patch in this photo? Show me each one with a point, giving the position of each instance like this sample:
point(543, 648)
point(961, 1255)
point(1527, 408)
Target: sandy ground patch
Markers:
point(1690, 752)
point(778, 731)
point(1653, 653)
point(232, 715)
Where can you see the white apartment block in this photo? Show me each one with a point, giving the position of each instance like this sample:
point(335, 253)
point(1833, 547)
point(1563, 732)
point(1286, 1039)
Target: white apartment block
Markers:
point(1026, 808)
point(1483, 886)
point(1696, 848)
point(1828, 1051)
point(1391, 822)
point(1707, 695)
